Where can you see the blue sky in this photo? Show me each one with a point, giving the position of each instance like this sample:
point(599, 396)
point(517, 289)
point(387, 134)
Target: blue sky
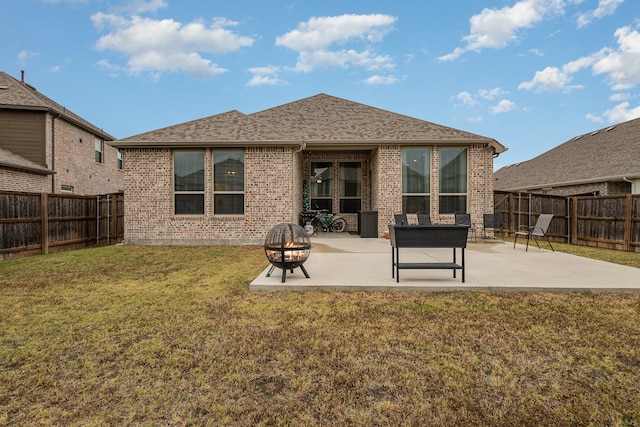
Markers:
point(529, 73)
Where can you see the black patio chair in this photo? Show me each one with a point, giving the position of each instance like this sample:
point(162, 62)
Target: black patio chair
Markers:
point(541, 229)
point(401, 219)
point(423, 218)
point(492, 222)
point(462, 218)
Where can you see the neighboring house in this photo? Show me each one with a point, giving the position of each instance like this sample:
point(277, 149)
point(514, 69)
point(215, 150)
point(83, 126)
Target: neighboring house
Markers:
point(46, 148)
point(602, 162)
point(229, 178)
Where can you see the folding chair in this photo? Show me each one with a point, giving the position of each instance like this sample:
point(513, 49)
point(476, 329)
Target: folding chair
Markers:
point(401, 219)
point(492, 222)
point(423, 218)
point(539, 230)
point(465, 219)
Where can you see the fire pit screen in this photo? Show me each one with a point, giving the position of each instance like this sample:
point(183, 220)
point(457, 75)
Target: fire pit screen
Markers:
point(287, 246)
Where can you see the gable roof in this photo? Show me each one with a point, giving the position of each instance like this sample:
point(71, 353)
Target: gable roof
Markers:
point(320, 120)
point(229, 127)
point(18, 95)
point(13, 161)
point(607, 154)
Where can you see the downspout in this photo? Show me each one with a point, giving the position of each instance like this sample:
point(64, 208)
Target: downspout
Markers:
point(53, 151)
point(486, 181)
point(303, 145)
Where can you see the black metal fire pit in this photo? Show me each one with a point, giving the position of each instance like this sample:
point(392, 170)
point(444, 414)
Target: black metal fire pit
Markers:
point(287, 246)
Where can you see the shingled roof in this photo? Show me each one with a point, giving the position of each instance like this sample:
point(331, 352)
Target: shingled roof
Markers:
point(607, 154)
point(18, 95)
point(320, 120)
point(230, 127)
point(13, 161)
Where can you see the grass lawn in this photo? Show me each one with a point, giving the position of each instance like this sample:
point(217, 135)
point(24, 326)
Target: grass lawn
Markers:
point(127, 335)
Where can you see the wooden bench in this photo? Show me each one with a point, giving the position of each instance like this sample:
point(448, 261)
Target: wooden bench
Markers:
point(427, 236)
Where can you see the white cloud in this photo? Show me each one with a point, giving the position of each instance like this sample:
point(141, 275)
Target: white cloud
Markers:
point(470, 100)
point(551, 79)
point(381, 80)
point(622, 65)
point(265, 76)
point(617, 97)
point(497, 28)
point(142, 6)
point(605, 8)
point(618, 114)
point(466, 98)
point(537, 52)
point(314, 39)
point(64, 1)
point(504, 106)
point(24, 55)
point(158, 46)
point(491, 93)
point(112, 69)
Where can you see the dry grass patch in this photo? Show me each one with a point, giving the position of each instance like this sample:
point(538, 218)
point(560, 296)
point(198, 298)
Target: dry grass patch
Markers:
point(172, 336)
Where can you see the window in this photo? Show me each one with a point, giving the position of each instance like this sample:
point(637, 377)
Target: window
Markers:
point(120, 160)
point(188, 182)
point(322, 185)
point(350, 174)
point(416, 181)
point(99, 149)
point(228, 182)
point(453, 180)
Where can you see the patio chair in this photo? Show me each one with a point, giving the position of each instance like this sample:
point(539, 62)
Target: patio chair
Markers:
point(492, 222)
point(423, 218)
point(401, 219)
point(539, 230)
point(462, 218)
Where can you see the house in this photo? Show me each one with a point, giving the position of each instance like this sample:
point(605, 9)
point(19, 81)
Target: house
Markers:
point(46, 148)
point(602, 162)
point(230, 177)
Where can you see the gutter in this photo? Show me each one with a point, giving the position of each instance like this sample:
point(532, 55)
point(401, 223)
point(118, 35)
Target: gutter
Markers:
point(42, 171)
point(317, 144)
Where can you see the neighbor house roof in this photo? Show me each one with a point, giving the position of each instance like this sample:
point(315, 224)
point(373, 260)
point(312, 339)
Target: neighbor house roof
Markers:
point(607, 154)
point(18, 95)
point(320, 120)
point(13, 161)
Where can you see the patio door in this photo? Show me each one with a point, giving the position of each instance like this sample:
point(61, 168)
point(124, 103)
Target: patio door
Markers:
point(322, 185)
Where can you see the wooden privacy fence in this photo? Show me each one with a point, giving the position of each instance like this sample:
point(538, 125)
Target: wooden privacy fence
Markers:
point(40, 223)
point(611, 222)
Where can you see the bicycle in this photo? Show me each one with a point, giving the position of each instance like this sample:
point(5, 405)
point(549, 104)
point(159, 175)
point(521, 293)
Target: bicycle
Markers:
point(328, 221)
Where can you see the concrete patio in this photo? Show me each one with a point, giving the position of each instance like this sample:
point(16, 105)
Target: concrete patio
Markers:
point(340, 261)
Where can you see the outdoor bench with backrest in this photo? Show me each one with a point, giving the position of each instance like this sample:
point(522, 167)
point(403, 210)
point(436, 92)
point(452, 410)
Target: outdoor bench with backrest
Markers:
point(427, 236)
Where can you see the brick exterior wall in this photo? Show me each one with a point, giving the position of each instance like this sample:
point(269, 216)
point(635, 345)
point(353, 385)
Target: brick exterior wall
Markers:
point(273, 193)
point(387, 175)
point(269, 199)
point(74, 162)
point(15, 180)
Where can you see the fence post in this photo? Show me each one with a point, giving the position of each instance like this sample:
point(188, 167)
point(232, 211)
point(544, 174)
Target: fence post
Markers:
point(98, 220)
point(114, 219)
point(44, 218)
point(628, 221)
point(574, 220)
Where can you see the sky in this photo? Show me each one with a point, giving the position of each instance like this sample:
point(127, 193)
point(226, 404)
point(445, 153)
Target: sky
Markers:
point(530, 74)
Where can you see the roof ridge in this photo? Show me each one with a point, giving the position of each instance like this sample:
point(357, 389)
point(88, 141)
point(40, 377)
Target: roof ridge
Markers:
point(41, 101)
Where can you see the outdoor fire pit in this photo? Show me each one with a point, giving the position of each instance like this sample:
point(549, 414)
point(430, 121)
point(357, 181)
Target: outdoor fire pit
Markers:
point(287, 246)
